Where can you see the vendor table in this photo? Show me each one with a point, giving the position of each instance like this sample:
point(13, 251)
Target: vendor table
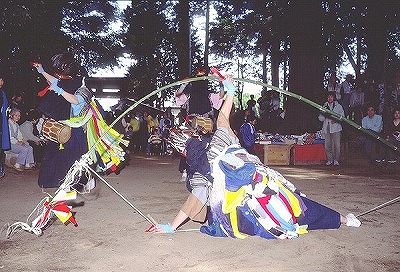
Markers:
point(308, 154)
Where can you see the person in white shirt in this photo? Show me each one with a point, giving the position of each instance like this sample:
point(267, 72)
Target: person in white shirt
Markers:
point(28, 134)
point(346, 88)
point(331, 130)
point(18, 145)
point(374, 123)
point(334, 86)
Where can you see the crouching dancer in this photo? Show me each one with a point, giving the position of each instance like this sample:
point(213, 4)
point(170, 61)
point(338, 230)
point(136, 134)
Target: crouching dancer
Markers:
point(245, 197)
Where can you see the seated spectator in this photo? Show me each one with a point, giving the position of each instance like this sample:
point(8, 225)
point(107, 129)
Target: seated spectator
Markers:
point(248, 133)
point(392, 135)
point(28, 133)
point(154, 144)
point(18, 145)
point(17, 101)
point(374, 123)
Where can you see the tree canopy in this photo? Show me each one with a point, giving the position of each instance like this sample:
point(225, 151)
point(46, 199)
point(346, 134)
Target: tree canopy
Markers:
point(290, 44)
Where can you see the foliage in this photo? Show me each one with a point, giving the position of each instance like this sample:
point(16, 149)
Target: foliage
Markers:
point(36, 30)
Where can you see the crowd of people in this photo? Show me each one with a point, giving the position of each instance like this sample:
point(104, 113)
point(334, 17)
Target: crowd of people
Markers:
point(147, 133)
point(21, 127)
point(361, 102)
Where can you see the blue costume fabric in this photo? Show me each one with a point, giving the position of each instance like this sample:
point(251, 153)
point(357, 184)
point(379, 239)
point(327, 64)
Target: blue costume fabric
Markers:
point(56, 161)
point(5, 135)
point(318, 216)
point(248, 137)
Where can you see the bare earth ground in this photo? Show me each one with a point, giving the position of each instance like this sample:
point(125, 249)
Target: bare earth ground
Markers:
point(111, 236)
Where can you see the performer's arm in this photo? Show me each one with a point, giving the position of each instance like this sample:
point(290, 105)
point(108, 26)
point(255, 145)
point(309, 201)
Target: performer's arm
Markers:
point(180, 90)
point(73, 99)
point(50, 79)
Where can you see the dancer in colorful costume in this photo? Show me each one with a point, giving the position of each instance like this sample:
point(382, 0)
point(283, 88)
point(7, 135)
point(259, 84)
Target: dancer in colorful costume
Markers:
point(245, 196)
point(70, 102)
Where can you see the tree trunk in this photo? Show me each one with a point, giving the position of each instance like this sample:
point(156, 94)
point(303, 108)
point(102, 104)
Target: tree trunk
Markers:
point(376, 40)
point(183, 39)
point(275, 61)
point(207, 38)
point(306, 73)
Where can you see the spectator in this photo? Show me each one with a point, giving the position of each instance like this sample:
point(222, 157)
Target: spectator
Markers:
point(346, 90)
point(5, 135)
point(392, 134)
point(357, 104)
point(27, 129)
point(17, 102)
point(263, 105)
point(334, 87)
point(134, 123)
point(248, 133)
point(331, 130)
point(374, 123)
point(251, 104)
point(18, 145)
point(154, 142)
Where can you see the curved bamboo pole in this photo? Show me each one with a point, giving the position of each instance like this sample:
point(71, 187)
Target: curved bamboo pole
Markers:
point(324, 110)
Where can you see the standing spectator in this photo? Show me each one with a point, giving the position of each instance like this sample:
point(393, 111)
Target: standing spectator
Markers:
point(134, 123)
point(18, 145)
point(27, 129)
point(263, 105)
point(331, 130)
point(374, 123)
point(248, 133)
point(357, 104)
point(392, 134)
point(334, 86)
point(251, 104)
point(346, 90)
point(164, 120)
point(5, 135)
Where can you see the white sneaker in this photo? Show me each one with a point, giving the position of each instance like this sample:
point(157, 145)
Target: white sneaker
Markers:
point(29, 166)
point(336, 163)
point(328, 163)
point(352, 221)
point(18, 167)
point(184, 176)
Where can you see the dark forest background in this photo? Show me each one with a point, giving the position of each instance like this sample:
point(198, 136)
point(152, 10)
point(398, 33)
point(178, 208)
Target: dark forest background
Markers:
point(301, 43)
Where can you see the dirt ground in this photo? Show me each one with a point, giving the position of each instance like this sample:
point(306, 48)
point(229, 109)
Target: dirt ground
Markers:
point(111, 235)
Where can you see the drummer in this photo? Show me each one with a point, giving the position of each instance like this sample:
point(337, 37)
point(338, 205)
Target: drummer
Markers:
point(63, 97)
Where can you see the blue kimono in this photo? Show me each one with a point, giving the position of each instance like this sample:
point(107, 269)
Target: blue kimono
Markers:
point(5, 135)
point(56, 161)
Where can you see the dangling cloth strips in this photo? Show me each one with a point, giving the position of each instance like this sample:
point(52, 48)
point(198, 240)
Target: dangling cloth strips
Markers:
point(103, 141)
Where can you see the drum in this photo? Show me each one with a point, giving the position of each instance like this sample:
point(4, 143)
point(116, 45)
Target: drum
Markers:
point(204, 124)
point(56, 131)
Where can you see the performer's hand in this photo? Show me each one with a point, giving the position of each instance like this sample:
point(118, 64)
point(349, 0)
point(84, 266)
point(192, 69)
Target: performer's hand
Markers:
point(163, 228)
point(55, 87)
point(228, 83)
point(38, 67)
